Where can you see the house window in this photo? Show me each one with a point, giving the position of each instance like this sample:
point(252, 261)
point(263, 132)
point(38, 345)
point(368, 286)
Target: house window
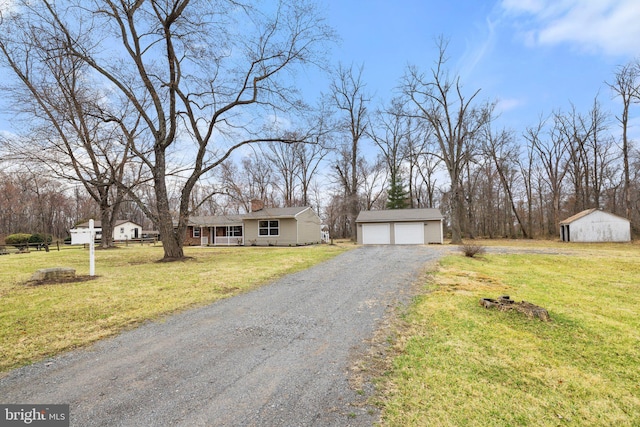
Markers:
point(196, 232)
point(269, 228)
point(121, 230)
point(229, 231)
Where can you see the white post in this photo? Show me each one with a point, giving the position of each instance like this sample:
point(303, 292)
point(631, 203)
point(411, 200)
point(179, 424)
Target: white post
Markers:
point(92, 250)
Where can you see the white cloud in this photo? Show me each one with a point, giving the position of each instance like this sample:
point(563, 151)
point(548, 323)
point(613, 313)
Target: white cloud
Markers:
point(528, 6)
point(508, 104)
point(478, 49)
point(600, 26)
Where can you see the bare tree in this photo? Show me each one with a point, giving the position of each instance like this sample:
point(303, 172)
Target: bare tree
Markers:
point(311, 155)
point(392, 133)
point(590, 153)
point(626, 85)
point(67, 131)
point(31, 202)
point(526, 167)
point(551, 152)
point(374, 177)
point(422, 167)
point(501, 150)
point(454, 120)
point(253, 179)
point(284, 159)
point(197, 72)
point(350, 97)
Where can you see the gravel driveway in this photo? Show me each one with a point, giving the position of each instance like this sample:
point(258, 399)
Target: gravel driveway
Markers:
point(277, 356)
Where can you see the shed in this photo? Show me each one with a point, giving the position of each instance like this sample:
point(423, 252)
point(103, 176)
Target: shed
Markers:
point(400, 227)
point(595, 225)
point(122, 229)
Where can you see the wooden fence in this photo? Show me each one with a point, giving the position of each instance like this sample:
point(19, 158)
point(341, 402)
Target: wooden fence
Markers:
point(59, 245)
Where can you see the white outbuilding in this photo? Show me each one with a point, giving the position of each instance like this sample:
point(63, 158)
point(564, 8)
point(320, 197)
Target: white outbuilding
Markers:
point(595, 225)
point(122, 229)
point(400, 227)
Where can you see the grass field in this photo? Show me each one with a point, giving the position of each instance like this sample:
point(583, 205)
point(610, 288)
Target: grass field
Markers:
point(455, 363)
point(130, 287)
point(458, 364)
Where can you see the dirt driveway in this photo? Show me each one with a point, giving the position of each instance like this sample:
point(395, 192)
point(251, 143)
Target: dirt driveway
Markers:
point(278, 356)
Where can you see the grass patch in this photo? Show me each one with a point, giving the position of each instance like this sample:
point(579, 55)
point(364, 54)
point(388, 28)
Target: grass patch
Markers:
point(460, 364)
point(131, 287)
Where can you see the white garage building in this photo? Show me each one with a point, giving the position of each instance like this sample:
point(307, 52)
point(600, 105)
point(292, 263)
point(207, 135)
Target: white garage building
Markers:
point(594, 225)
point(400, 227)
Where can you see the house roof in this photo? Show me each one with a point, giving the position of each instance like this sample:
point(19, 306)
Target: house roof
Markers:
point(266, 213)
point(212, 220)
point(399, 215)
point(585, 213)
point(98, 224)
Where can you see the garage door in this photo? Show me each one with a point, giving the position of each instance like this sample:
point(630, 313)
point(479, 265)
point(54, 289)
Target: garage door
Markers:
point(409, 233)
point(376, 234)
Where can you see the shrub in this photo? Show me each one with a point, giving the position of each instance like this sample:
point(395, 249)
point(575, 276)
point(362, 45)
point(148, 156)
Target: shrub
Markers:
point(40, 238)
point(17, 239)
point(471, 249)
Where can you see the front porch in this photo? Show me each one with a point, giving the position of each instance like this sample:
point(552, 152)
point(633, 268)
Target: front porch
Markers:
point(222, 235)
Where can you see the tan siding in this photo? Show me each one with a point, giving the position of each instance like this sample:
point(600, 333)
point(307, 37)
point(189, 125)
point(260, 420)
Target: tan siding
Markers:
point(308, 227)
point(303, 229)
point(433, 232)
point(286, 237)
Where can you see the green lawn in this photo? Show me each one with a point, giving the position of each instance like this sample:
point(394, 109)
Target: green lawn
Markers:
point(458, 364)
point(131, 287)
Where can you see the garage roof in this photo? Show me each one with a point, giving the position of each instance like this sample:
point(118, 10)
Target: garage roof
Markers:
point(586, 213)
point(394, 215)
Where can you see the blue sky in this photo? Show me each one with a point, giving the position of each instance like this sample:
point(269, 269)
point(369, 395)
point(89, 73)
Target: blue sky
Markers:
point(533, 56)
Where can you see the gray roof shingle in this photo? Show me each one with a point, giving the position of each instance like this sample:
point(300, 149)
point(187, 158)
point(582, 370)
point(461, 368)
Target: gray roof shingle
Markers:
point(276, 213)
point(399, 215)
point(266, 213)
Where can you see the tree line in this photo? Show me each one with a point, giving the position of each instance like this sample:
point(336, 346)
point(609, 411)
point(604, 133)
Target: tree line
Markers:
point(159, 111)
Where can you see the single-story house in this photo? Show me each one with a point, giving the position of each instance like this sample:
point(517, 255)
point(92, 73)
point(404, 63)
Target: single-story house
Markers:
point(400, 227)
point(122, 229)
point(595, 225)
point(261, 227)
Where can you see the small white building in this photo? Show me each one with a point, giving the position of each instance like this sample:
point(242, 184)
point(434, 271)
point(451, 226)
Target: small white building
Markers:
point(595, 225)
point(122, 229)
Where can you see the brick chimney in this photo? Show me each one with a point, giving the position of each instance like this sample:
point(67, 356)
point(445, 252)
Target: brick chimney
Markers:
point(257, 205)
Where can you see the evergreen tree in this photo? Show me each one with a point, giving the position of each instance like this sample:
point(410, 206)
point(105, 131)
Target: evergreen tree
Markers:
point(397, 195)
